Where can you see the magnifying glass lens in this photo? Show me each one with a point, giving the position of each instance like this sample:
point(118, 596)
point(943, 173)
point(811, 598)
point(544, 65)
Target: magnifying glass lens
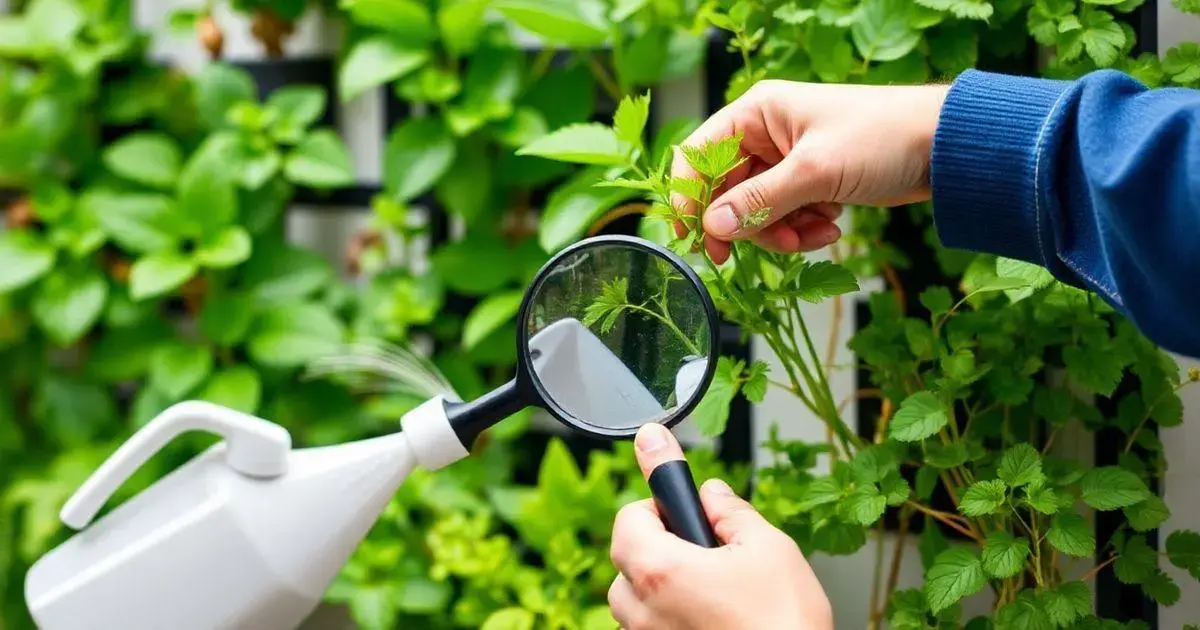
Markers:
point(618, 336)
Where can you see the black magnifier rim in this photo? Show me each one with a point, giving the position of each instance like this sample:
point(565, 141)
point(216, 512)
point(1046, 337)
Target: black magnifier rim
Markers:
point(525, 366)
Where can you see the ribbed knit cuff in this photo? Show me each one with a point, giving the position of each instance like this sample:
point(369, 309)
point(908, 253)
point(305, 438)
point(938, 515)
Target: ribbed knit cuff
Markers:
point(984, 165)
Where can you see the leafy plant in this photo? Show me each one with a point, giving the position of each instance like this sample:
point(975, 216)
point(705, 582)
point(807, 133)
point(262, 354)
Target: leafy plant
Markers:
point(971, 408)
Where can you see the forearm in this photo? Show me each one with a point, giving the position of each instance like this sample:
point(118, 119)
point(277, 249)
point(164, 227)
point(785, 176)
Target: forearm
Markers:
point(1098, 180)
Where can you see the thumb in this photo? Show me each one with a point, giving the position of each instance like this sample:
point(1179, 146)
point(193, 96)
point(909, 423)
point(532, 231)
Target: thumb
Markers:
point(733, 519)
point(759, 201)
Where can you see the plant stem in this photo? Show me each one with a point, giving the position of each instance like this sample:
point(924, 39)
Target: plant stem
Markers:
point(877, 576)
point(949, 520)
point(604, 78)
point(1097, 569)
point(897, 560)
point(669, 324)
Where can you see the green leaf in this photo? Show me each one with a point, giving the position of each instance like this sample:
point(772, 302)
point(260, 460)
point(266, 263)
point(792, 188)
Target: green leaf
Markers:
point(630, 120)
point(583, 143)
point(418, 153)
point(296, 108)
point(1137, 561)
point(1183, 549)
point(150, 158)
point(320, 161)
point(466, 189)
point(490, 315)
point(937, 300)
point(963, 9)
point(1097, 369)
point(712, 413)
point(920, 416)
point(954, 48)
point(1162, 588)
point(1148, 514)
point(895, 488)
point(294, 335)
point(754, 388)
point(1020, 465)
point(927, 481)
point(237, 387)
point(715, 158)
point(993, 285)
point(1067, 603)
point(955, 574)
point(1100, 36)
point(817, 281)
point(1035, 277)
point(1023, 613)
point(870, 465)
point(177, 368)
point(1004, 555)
point(23, 259)
point(207, 189)
point(1041, 497)
point(68, 302)
point(227, 248)
point(864, 506)
point(818, 492)
point(461, 23)
point(1071, 534)
point(423, 596)
point(376, 60)
point(225, 320)
point(946, 456)
point(1053, 404)
point(409, 20)
point(573, 206)
point(509, 619)
point(138, 222)
point(374, 608)
point(476, 265)
point(1111, 488)
point(218, 88)
point(278, 272)
point(882, 31)
point(573, 23)
point(984, 497)
point(160, 273)
point(1182, 63)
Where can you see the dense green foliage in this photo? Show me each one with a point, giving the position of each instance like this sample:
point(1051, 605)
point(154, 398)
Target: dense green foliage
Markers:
point(977, 387)
point(144, 263)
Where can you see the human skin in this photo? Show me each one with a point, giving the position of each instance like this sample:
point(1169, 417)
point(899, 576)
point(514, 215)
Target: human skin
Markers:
point(757, 578)
point(810, 149)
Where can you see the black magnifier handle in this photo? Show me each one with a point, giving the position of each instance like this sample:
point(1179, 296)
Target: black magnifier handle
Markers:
point(678, 502)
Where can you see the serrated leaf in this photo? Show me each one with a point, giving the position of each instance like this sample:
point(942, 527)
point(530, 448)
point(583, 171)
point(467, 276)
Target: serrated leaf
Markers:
point(715, 158)
point(1112, 488)
point(814, 282)
point(1020, 465)
point(946, 456)
point(582, 143)
point(870, 465)
point(895, 489)
point(1041, 498)
point(955, 574)
point(1004, 555)
point(820, 491)
point(630, 120)
point(1137, 561)
point(920, 416)
point(1162, 588)
point(755, 386)
point(882, 31)
point(1183, 549)
point(937, 300)
point(1066, 603)
point(1023, 613)
point(1035, 277)
point(864, 506)
point(1147, 515)
point(984, 497)
point(1071, 534)
point(1094, 368)
point(712, 413)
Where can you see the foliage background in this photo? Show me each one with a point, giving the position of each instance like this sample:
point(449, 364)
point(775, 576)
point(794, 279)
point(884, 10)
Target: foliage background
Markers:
point(144, 261)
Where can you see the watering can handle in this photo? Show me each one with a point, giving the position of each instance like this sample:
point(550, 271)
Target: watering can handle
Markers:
point(255, 448)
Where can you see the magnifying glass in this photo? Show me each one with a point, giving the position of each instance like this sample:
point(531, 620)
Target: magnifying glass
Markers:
point(614, 332)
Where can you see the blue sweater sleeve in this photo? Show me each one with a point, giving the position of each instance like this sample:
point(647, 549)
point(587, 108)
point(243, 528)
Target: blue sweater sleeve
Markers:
point(1098, 180)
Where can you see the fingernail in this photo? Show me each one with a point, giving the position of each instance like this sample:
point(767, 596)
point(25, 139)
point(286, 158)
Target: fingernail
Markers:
point(651, 438)
point(717, 486)
point(723, 222)
point(830, 234)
